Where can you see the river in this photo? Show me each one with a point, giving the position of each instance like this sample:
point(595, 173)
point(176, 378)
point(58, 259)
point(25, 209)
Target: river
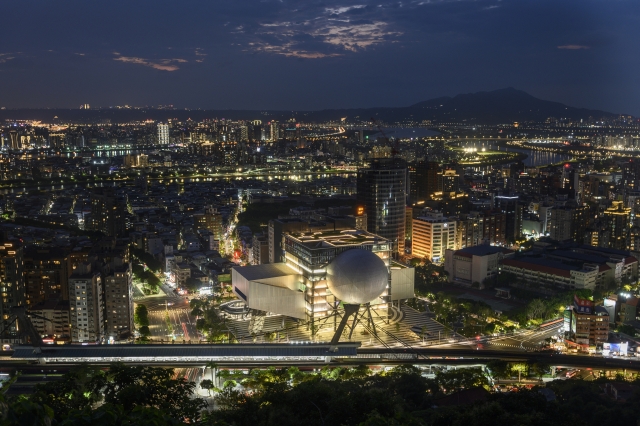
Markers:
point(534, 158)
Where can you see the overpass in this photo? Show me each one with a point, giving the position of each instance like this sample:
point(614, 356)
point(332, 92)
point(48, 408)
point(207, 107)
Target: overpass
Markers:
point(293, 354)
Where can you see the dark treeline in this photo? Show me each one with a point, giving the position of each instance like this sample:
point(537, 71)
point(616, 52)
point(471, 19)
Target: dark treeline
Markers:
point(332, 396)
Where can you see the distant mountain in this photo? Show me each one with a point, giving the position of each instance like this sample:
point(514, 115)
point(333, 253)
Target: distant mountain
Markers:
point(499, 106)
point(502, 106)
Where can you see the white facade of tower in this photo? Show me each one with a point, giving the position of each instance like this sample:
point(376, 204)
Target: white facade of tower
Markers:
point(163, 134)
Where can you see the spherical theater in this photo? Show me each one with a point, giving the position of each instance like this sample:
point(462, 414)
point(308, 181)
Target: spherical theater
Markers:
point(357, 276)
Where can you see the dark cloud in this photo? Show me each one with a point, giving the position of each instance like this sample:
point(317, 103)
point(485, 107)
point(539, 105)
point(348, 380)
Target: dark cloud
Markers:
point(317, 53)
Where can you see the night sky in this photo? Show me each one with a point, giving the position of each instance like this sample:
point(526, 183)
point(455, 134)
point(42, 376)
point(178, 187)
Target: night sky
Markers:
point(295, 54)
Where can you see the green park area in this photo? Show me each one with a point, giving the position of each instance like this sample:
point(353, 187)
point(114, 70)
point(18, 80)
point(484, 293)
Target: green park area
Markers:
point(467, 157)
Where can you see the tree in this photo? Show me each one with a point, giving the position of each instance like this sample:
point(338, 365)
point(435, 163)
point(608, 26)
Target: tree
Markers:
point(464, 378)
point(141, 315)
point(540, 368)
point(627, 329)
point(207, 384)
point(77, 389)
point(144, 331)
point(519, 368)
point(536, 309)
point(156, 387)
point(499, 369)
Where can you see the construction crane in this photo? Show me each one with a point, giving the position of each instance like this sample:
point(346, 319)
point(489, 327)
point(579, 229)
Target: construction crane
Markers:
point(396, 147)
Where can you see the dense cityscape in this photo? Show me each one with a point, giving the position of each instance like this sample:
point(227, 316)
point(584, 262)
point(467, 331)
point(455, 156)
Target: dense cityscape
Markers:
point(274, 213)
point(219, 247)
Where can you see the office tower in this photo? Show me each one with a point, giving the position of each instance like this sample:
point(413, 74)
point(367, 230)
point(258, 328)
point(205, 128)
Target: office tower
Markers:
point(449, 181)
point(512, 209)
point(163, 134)
point(570, 181)
point(210, 220)
point(85, 304)
point(46, 274)
point(423, 177)
point(118, 301)
point(108, 212)
point(15, 140)
point(432, 235)
point(243, 133)
point(617, 219)
point(275, 131)
point(382, 191)
point(12, 286)
point(568, 223)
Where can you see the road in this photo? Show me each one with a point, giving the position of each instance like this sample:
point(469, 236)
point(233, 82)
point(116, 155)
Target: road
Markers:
point(530, 340)
point(177, 309)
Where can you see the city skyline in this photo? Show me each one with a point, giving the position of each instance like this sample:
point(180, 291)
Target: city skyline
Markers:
point(296, 55)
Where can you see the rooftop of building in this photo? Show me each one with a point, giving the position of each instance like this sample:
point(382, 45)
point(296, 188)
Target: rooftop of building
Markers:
point(330, 239)
point(51, 305)
point(268, 270)
point(542, 264)
point(608, 251)
point(481, 250)
point(585, 257)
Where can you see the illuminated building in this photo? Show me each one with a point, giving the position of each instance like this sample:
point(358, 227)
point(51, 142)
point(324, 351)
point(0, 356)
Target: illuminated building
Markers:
point(56, 324)
point(118, 301)
point(474, 264)
point(298, 287)
point(210, 220)
point(449, 181)
point(586, 324)
point(617, 217)
point(477, 228)
point(46, 274)
point(432, 235)
point(86, 305)
point(108, 212)
point(381, 189)
point(512, 209)
point(275, 131)
point(568, 223)
point(163, 134)
point(12, 286)
point(556, 273)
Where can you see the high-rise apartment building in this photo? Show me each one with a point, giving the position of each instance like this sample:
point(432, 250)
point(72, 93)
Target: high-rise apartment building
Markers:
point(432, 235)
point(45, 274)
point(163, 134)
point(210, 220)
point(86, 309)
point(617, 219)
point(12, 287)
point(275, 131)
point(477, 228)
point(568, 223)
point(449, 181)
point(108, 212)
point(382, 191)
point(510, 206)
point(423, 177)
point(51, 319)
point(118, 301)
